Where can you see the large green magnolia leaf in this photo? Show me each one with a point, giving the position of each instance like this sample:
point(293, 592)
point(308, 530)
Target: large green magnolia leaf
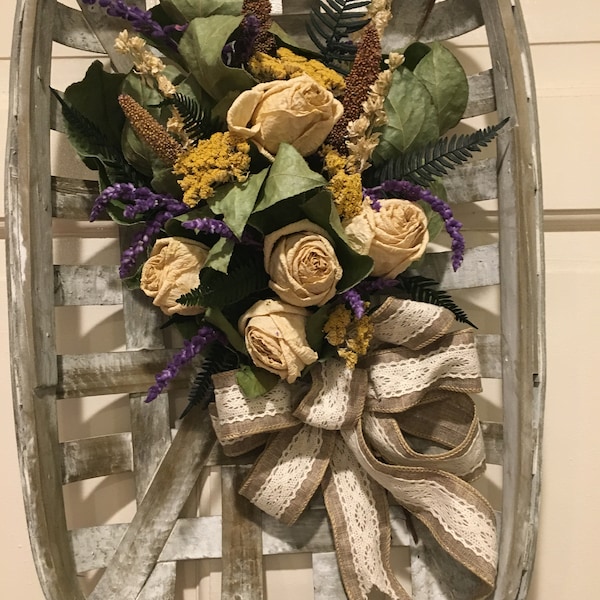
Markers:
point(412, 117)
point(201, 47)
point(215, 317)
point(445, 80)
point(236, 201)
point(191, 9)
point(321, 210)
point(96, 98)
point(254, 381)
point(289, 176)
point(219, 256)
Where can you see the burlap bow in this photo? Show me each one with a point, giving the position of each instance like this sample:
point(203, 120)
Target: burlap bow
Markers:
point(355, 433)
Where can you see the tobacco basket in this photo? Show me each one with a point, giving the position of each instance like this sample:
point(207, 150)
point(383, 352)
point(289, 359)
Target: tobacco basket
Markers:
point(140, 558)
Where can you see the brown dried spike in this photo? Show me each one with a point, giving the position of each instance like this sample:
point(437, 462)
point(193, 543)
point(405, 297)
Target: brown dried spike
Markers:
point(363, 74)
point(150, 130)
point(261, 9)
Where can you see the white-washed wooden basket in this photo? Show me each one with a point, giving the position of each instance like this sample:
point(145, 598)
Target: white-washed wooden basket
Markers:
point(140, 557)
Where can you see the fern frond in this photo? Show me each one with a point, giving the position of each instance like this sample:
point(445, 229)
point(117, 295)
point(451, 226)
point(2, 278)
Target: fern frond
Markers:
point(93, 142)
point(423, 289)
point(197, 120)
point(218, 358)
point(329, 26)
point(246, 276)
point(435, 160)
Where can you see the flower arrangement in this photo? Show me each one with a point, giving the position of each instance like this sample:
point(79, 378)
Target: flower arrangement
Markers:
point(283, 199)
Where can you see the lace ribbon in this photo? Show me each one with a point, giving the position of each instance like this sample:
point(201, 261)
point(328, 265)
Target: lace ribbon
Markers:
point(402, 422)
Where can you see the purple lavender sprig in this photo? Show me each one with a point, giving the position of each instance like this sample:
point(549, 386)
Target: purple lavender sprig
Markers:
point(410, 191)
point(206, 335)
point(138, 201)
point(238, 52)
point(369, 286)
point(141, 20)
point(353, 299)
point(208, 225)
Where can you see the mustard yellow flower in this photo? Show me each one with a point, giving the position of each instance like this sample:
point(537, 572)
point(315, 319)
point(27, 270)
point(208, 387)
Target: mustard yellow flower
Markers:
point(351, 336)
point(220, 159)
point(287, 65)
point(337, 324)
point(347, 194)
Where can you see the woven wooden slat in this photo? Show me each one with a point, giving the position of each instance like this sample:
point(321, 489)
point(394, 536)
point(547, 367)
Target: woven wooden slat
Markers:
point(140, 558)
point(111, 373)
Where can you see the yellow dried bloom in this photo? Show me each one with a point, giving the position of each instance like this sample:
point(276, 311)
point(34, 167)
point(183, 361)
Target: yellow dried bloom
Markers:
point(323, 75)
point(150, 130)
point(347, 193)
point(333, 161)
point(337, 324)
point(358, 341)
point(266, 68)
point(287, 65)
point(220, 159)
point(351, 336)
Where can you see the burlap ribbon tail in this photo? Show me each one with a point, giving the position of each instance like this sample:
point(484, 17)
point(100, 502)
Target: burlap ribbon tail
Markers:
point(402, 423)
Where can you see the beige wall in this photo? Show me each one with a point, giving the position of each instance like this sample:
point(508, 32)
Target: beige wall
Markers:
point(565, 39)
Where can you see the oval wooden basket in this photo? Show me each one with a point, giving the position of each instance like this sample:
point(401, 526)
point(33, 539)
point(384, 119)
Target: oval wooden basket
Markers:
point(140, 557)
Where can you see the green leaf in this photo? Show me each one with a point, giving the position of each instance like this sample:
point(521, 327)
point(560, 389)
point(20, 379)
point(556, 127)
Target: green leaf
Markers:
point(414, 54)
point(219, 255)
point(216, 317)
point(236, 201)
point(314, 327)
point(279, 215)
point(445, 80)
point(201, 47)
point(190, 9)
point(164, 181)
point(289, 176)
point(321, 210)
point(254, 381)
point(96, 97)
point(412, 117)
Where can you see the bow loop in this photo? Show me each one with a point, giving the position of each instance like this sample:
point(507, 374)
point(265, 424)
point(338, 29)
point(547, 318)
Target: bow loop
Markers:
point(336, 398)
point(409, 323)
point(401, 377)
point(407, 405)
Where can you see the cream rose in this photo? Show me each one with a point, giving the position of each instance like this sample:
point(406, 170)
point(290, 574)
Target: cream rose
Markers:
point(173, 269)
point(393, 237)
point(302, 264)
point(276, 339)
point(297, 111)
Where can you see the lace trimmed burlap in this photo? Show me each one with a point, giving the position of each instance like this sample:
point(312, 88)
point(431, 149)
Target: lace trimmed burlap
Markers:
point(402, 422)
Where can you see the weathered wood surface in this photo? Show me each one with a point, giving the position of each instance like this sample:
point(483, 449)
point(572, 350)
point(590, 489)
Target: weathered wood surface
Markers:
point(521, 260)
point(31, 325)
point(242, 548)
point(82, 375)
point(140, 557)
